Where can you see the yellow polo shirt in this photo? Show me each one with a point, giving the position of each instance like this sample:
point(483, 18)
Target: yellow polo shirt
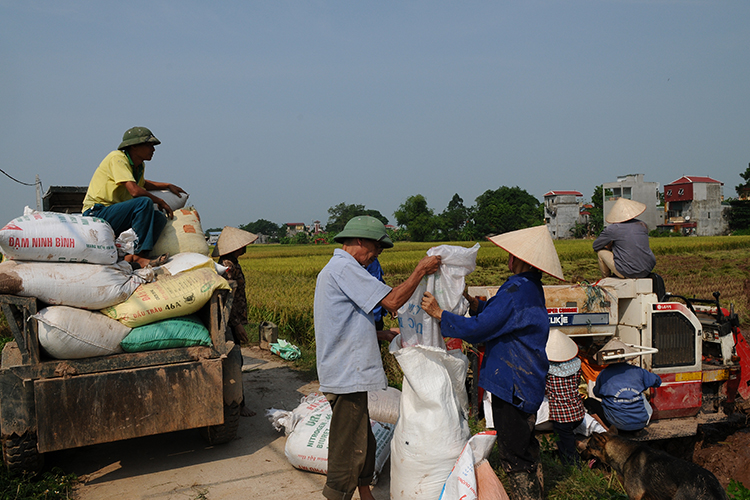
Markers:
point(107, 185)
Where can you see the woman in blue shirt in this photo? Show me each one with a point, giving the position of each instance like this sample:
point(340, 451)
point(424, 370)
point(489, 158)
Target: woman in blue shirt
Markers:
point(514, 327)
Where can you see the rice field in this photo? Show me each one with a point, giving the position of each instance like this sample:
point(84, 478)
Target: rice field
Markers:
point(281, 278)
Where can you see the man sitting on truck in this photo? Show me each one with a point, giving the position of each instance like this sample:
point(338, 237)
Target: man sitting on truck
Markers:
point(622, 247)
point(120, 194)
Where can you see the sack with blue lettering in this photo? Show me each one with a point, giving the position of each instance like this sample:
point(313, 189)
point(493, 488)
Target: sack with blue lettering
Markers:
point(447, 285)
point(307, 428)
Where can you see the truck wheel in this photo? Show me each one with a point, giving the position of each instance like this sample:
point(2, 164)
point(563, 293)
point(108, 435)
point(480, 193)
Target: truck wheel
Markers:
point(21, 455)
point(220, 434)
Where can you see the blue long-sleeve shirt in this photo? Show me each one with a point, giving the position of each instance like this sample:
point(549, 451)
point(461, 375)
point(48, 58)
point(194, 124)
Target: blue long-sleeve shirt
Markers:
point(514, 327)
point(620, 386)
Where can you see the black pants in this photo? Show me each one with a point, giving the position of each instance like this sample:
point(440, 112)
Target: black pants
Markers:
point(519, 449)
point(566, 446)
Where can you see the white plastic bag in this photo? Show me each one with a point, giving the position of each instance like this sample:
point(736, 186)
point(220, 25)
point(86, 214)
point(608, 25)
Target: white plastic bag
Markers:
point(432, 428)
point(174, 201)
point(447, 285)
point(188, 261)
point(126, 243)
point(71, 333)
point(462, 482)
point(56, 237)
point(307, 428)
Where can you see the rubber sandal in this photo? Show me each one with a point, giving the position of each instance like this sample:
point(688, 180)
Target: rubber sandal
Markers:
point(159, 261)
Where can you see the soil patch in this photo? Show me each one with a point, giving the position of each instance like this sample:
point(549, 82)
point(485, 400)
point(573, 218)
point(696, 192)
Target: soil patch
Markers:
point(727, 459)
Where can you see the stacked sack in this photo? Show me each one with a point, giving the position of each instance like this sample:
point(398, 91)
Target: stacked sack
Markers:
point(98, 306)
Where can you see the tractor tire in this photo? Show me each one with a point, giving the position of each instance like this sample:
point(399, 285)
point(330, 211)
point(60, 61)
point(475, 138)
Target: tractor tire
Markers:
point(20, 453)
point(220, 434)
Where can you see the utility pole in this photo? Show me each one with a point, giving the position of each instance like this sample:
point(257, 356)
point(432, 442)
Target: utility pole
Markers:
point(38, 194)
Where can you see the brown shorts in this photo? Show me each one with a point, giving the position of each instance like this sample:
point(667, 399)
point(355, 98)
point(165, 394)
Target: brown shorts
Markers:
point(351, 446)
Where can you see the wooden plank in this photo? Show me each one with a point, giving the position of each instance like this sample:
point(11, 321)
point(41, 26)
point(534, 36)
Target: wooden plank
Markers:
point(17, 311)
point(100, 408)
point(17, 405)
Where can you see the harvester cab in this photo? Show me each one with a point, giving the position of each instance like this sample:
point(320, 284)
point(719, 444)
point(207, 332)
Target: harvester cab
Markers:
point(690, 343)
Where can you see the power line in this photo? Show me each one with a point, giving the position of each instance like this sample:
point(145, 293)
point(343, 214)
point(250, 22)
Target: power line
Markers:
point(14, 179)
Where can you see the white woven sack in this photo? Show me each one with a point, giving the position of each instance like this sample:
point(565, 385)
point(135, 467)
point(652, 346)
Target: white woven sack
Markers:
point(86, 286)
point(174, 201)
point(462, 481)
point(432, 428)
point(183, 233)
point(71, 333)
point(56, 237)
point(447, 285)
point(307, 428)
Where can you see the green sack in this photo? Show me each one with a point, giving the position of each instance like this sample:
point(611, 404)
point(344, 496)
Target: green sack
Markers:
point(286, 350)
point(184, 331)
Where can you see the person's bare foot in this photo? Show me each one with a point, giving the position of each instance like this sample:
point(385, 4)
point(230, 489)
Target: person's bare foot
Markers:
point(139, 261)
point(246, 412)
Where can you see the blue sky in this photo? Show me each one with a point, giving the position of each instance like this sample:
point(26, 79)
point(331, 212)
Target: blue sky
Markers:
point(281, 109)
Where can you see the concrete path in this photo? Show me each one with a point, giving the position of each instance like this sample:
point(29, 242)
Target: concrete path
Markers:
point(181, 466)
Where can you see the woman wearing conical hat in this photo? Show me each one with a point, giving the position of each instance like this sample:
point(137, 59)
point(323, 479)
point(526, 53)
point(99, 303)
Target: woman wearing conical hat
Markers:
point(622, 247)
point(514, 327)
point(230, 245)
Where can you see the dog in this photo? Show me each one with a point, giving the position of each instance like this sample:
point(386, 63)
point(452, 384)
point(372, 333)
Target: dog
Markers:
point(648, 474)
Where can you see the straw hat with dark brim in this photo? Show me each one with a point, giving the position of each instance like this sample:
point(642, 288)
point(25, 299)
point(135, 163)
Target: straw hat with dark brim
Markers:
point(560, 347)
point(231, 239)
point(624, 210)
point(534, 246)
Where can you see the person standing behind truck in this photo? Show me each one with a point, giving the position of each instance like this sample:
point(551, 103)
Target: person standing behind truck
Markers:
point(119, 194)
point(622, 247)
point(348, 352)
point(566, 409)
point(231, 244)
point(514, 327)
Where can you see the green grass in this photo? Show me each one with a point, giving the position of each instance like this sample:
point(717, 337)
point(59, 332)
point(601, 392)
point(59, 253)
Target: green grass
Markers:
point(51, 485)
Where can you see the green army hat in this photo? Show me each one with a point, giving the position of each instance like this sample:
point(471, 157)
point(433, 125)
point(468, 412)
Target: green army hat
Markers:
point(364, 226)
point(137, 135)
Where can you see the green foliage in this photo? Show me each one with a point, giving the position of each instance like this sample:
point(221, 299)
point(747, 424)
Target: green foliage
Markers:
point(453, 223)
point(418, 219)
point(656, 233)
point(52, 485)
point(738, 215)
point(263, 226)
point(340, 214)
point(737, 491)
point(741, 187)
point(505, 209)
point(596, 214)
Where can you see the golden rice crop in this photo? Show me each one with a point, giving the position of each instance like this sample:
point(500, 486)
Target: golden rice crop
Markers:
point(281, 278)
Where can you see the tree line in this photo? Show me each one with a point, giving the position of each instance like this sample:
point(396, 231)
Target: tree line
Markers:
point(494, 211)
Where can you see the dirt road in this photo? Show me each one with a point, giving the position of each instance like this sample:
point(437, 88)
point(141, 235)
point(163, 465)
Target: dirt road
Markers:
point(181, 466)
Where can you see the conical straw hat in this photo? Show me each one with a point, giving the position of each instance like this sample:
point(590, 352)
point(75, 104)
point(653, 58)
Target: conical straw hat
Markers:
point(560, 347)
point(534, 246)
point(624, 210)
point(231, 239)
